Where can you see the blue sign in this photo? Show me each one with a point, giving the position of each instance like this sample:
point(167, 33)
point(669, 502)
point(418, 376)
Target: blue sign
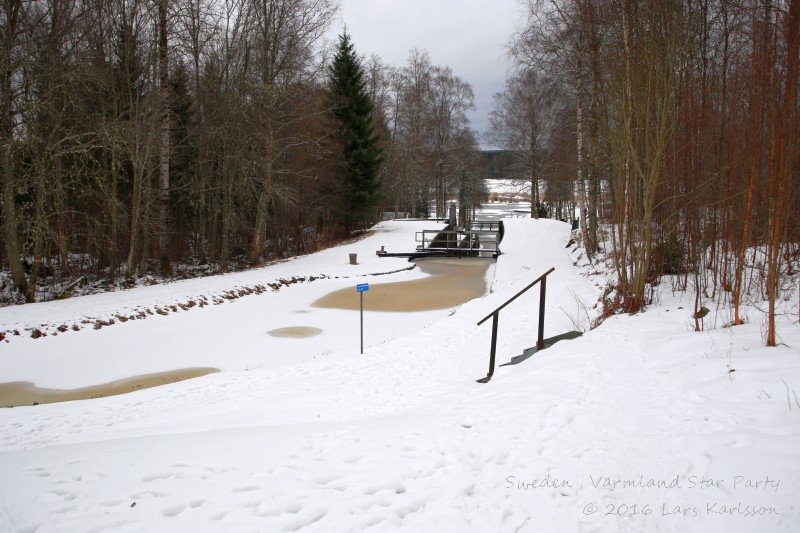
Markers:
point(362, 287)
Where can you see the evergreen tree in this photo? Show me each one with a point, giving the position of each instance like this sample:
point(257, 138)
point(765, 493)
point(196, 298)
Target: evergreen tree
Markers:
point(183, 142)
point(361, 155)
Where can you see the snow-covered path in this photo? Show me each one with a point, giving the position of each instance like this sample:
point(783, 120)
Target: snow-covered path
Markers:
point(404, 439)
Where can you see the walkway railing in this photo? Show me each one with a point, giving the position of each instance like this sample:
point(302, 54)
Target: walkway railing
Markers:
point(476, 241)
point(495, 315)
point(490, 225)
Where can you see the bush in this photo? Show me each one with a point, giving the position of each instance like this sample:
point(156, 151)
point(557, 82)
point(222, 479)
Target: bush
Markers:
point(542, 209)
point(669, 256)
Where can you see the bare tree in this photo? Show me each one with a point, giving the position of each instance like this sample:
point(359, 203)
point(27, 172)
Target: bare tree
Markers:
point(15, 16)
point(519, 122)
point(164, 149)
point(283, 32)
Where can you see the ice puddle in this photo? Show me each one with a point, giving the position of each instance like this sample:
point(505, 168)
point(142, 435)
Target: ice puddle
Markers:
point(26, 393)
point(451, 281)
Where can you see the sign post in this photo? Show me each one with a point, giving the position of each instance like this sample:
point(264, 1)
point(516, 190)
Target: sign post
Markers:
point(362, 288)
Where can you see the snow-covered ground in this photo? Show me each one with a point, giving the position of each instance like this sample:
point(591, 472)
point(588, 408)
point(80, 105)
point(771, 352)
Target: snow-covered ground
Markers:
point(403, 438)
point(230, 336)
point(509, 186)
point(509, 190)
point(333, 262)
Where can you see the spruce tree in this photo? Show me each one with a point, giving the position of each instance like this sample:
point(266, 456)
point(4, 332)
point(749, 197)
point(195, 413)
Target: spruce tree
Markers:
point(360, 153)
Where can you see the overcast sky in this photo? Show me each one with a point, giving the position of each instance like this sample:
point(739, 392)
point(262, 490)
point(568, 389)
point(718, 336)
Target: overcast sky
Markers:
point(470, 36)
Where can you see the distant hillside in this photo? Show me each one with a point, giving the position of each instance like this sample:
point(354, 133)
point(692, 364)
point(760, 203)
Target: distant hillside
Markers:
point(498, 164)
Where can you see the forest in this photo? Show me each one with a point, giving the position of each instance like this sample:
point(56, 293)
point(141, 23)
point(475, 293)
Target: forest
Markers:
point(146, 138)
point(143, 140)
point(673, 126)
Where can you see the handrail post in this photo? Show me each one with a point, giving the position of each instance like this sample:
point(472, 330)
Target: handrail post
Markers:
point(495, 318)
point(542, 291)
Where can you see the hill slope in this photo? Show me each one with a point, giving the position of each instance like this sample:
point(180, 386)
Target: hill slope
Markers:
point(576, 438)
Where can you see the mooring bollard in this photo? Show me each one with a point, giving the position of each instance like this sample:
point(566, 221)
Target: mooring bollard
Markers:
point(353, 259)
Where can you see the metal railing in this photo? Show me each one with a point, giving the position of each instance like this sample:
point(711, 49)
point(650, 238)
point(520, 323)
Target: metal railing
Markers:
point(495, 226)
point(495, 315)
point(491, 225)
point(449, 240)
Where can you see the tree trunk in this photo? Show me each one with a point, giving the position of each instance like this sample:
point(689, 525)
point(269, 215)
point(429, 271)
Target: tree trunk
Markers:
point(114, 247)
point(781, 163)
point(534, 179)
point(260, 228)
point(748, 208)
point(581, 192)
point(10, 219)
point(38, 229)
point(592, 160)
point(164, 147)
point(9, 35)
point(61, 215)
point(136, 204)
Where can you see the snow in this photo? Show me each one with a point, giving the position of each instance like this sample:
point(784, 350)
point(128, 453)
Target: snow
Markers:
point(231, 336)
point(509, 186)
point(333, 262)
point(402, 438)
point(504, 191)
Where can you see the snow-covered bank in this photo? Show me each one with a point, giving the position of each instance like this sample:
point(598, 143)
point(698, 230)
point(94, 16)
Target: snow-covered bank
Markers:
point(234, 336)
point(332, 262)
point(404, 439)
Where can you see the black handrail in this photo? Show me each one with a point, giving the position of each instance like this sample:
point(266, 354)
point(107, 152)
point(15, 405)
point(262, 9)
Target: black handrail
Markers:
point(520, 293)
point(496, 316)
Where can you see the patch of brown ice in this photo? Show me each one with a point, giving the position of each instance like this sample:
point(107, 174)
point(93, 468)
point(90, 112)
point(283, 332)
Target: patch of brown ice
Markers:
point(451, 282)
point(20, 393)
point(295, 332)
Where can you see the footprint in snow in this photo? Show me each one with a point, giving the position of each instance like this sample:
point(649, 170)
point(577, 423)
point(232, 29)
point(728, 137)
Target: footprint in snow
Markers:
point(247, 488)
point(173, 510)
point(162, 475)
point(311, 518)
